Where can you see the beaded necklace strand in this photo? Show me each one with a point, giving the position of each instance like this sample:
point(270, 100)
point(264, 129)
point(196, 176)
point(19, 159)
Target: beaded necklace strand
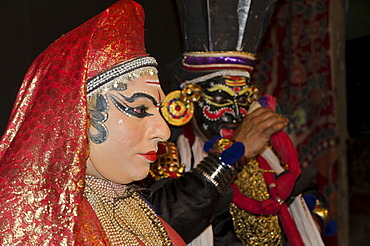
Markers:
point(124, 215)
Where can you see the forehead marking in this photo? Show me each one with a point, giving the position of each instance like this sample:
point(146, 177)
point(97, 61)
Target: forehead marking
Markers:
point(153, 82)
point(235, 81)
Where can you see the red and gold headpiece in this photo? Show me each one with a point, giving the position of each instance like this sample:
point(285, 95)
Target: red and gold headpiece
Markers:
point(44, 149)
point(118, 51)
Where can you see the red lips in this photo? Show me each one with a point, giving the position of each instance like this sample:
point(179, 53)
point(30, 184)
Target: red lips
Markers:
point(227, 133)
point(150, 156)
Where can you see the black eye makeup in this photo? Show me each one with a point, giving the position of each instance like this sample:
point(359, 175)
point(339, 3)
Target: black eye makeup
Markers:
point(140, 111)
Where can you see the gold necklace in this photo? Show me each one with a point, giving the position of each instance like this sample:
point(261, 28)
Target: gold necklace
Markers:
point(124, 215)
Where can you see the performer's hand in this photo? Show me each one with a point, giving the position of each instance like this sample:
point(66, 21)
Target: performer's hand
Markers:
point(256, 129)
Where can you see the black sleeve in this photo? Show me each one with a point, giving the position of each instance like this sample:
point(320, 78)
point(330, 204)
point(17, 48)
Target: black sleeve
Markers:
point(187, 203)
point(223, 228)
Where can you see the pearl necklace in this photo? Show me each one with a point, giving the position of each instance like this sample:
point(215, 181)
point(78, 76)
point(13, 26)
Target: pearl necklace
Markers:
point(124, 215)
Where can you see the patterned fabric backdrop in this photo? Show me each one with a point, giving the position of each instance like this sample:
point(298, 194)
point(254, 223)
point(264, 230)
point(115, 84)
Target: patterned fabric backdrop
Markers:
point(294, 66)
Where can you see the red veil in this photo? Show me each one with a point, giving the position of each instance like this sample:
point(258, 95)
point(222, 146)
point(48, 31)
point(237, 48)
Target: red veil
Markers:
point(44, 149)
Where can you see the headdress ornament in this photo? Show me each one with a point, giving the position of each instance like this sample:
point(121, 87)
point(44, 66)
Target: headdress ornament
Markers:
point(221, 38)
point(44, 149)
point(222, 34)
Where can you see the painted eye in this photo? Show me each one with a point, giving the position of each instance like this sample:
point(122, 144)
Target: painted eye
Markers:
point(242, 99)
point(219, 99)
point(140, 110)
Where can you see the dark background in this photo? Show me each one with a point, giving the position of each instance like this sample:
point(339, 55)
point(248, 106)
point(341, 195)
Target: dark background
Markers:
point(28, 27)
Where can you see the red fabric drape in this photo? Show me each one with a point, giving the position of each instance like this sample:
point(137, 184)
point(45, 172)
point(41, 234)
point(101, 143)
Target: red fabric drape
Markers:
point(279, 188)
point(44, 149)
point(295, 67)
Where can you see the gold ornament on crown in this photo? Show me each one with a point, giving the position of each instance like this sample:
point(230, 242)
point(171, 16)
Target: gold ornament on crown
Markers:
point(253, 229)
point(253, 94)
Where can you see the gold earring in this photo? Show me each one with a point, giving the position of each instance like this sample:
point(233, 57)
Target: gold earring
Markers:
point(254, 93)
point(177, 107)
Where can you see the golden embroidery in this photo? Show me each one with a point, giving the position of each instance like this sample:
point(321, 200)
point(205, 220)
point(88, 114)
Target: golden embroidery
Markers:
point(167, 164)
point(254, 229)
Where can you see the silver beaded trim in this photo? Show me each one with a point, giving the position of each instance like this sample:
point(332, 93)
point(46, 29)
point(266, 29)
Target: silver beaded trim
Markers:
point(242, 73)
point(208, 177)
point(130, 69)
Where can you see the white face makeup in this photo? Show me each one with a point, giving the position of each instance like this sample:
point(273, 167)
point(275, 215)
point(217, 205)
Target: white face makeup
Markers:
point(134, 126)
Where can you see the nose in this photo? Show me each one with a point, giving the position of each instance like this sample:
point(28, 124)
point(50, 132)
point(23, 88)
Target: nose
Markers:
point(159, 128)
point(236, 117)
point(231, 118)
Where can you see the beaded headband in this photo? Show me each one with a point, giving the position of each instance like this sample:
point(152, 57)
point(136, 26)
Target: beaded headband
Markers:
point(203, 78)
point(116, 78)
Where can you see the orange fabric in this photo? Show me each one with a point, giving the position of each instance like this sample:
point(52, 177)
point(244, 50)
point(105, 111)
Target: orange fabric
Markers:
point(90, 231)
point(174, 236)
point(44, 149)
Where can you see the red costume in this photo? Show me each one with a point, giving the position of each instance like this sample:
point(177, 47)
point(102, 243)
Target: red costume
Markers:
point(44, 149)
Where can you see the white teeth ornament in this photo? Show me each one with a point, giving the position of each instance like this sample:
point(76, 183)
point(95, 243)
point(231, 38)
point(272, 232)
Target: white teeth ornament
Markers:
point(224, 118)
point(214, 112)
point(205, 126)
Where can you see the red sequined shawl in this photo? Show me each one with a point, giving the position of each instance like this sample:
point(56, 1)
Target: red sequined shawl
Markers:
point(44, 149)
